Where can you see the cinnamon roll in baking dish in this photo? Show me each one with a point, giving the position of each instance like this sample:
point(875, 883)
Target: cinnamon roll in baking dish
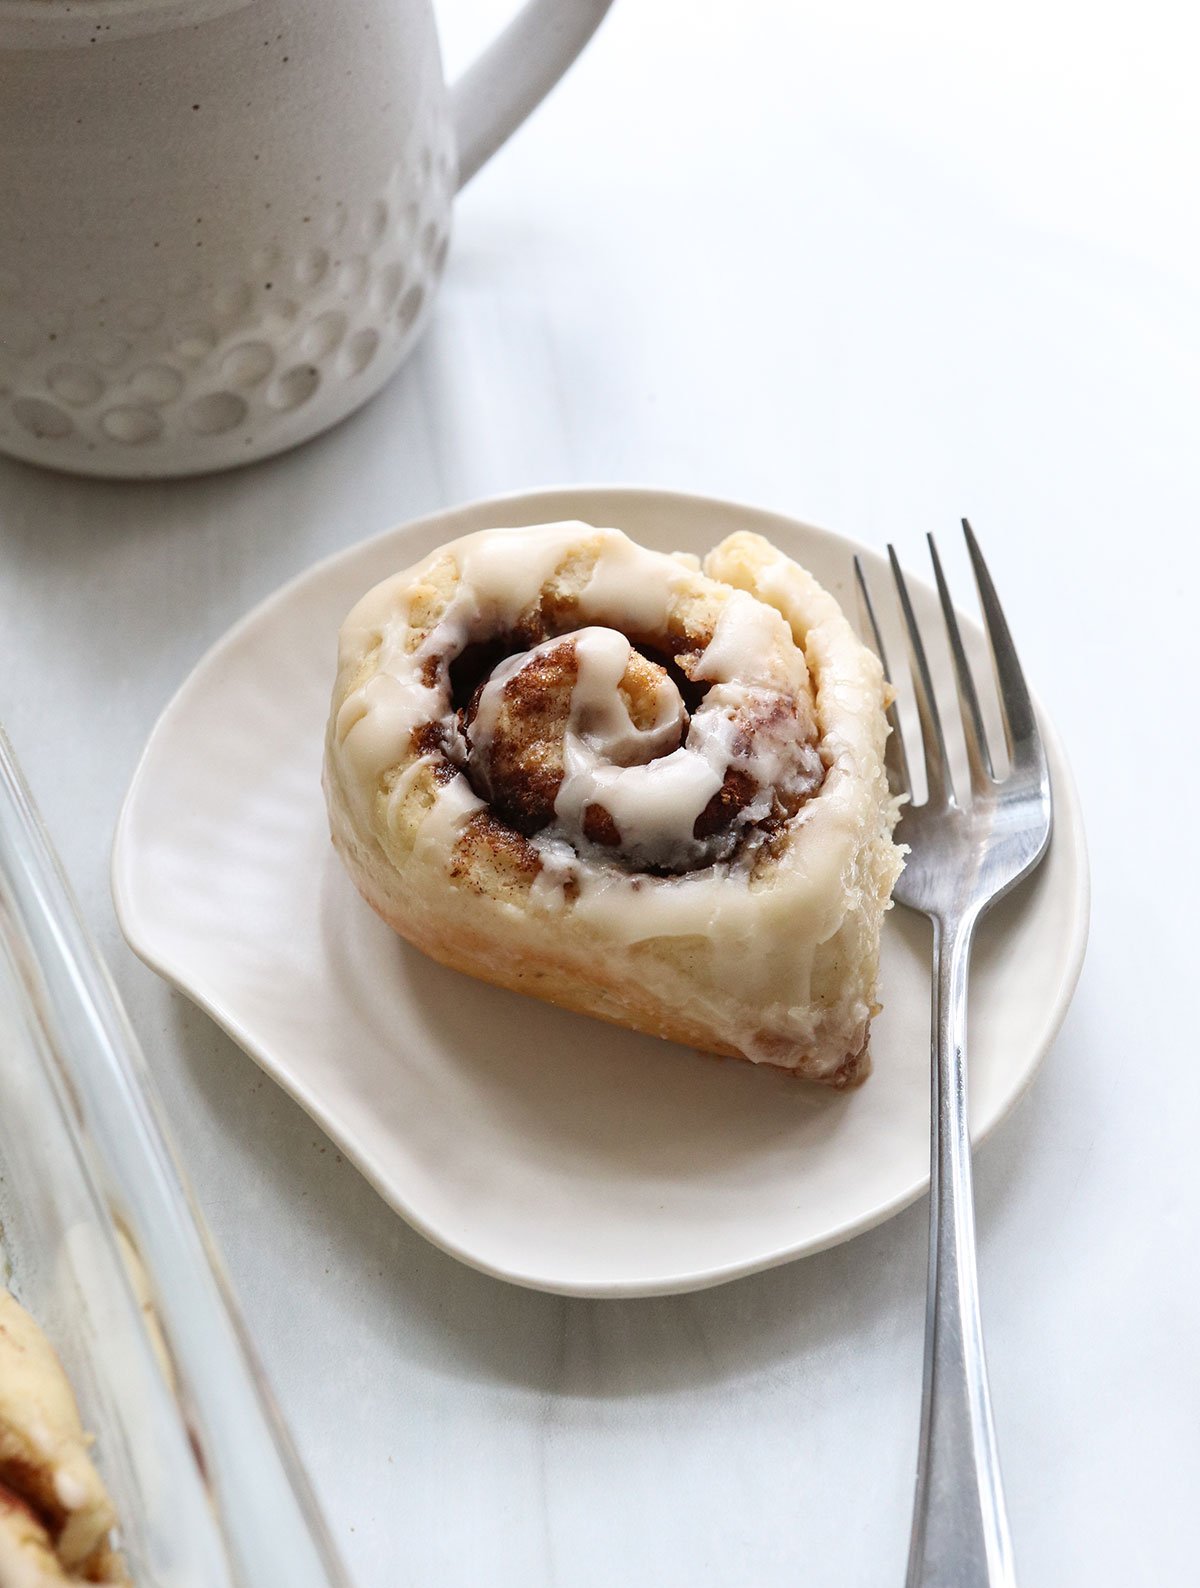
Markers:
point(626, 784)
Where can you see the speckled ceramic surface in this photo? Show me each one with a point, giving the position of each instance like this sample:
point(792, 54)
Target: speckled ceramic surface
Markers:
point(530, 1142)
point(224, 220)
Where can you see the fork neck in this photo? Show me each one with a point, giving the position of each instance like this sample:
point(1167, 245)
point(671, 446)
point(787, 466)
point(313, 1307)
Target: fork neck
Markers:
point(960, 1529)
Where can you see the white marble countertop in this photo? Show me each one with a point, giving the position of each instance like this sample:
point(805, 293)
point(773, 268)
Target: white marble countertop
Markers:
point(876, 267)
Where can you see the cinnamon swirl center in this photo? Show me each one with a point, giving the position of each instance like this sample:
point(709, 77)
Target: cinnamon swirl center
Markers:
point(586, 739)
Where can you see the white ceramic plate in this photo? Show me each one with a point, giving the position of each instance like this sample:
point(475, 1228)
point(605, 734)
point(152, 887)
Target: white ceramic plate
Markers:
point(534, 1144)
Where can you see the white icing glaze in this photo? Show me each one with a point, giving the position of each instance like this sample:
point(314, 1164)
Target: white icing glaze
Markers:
point(654, 806)
point(503, 572)
point(653, 798)
point(751, 644)
point(491, 699)
point(600, 719)
point(449, 814)
point(631, 587)
point(501, 575)
point(654, 802)
point(381, 717)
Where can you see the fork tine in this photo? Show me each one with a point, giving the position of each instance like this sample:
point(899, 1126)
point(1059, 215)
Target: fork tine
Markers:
point(1016, 708)
point(894, 755)
point(937, 766)
point(978, 755)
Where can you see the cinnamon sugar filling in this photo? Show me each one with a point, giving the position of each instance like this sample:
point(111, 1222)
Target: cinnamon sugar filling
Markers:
point(619, 746)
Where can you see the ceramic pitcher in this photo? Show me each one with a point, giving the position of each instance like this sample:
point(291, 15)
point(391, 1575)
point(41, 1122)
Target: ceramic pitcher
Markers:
point(222, 222)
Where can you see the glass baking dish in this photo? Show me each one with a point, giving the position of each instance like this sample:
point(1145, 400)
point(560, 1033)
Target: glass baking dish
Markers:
point(102, 1243)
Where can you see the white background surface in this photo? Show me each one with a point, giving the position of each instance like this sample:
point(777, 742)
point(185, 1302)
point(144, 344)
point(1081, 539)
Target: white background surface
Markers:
point(876, 267)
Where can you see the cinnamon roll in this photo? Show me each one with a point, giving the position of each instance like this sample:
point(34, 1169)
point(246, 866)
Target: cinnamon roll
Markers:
point(56, 1517)
point(626, 784)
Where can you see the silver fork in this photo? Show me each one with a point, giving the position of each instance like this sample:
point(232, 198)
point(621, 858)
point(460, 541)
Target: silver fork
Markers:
point(964, 856)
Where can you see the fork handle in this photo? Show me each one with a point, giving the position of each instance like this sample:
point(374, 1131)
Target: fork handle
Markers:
point(960, 1533)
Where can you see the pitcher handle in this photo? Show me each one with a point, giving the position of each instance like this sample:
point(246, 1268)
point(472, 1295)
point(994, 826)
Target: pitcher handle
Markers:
point(515, 73)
